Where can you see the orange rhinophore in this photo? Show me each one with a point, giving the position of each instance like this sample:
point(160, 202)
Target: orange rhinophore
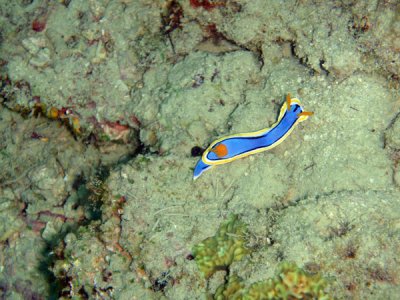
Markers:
point(305, 113)
point(288, 100)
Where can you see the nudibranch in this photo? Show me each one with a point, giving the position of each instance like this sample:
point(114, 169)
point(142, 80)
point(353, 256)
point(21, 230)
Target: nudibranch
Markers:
point(232, 147)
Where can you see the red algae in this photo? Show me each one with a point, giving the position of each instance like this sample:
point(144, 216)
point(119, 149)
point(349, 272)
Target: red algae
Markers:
point(38, 25)
point(206, 4)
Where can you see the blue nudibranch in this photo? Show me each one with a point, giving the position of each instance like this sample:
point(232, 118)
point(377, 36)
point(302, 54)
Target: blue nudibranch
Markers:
point(232, 147)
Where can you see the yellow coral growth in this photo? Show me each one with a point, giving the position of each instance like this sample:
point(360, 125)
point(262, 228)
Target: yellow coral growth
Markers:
point(291, 282)
point(233, 289)
point(218, 252)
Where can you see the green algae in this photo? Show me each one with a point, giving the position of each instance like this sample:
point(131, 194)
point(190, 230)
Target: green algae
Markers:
point(218, 252)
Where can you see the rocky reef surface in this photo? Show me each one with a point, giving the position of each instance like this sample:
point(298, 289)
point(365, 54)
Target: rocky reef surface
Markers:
point(105, 107)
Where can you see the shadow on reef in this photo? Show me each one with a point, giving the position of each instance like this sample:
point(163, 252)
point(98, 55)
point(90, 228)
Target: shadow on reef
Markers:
point(89, 197)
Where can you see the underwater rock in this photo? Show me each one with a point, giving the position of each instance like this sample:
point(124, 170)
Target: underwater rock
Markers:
point(10, 223)
point(392, 135)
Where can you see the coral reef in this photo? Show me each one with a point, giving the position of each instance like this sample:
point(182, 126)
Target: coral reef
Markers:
point(392, 134)
point(233, 288)
point(84, 265)
point(17, 96)
point(364, 31)
point(376, 27)
point(136, 84)
point(218, 252)
point(229, 245)
point(344, 234)
point(23, 274)
point(392, 144)
point(290, 282)
point(9, 209)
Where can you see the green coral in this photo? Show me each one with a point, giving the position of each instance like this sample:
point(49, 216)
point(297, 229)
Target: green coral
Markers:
point(232, 289)
point(228, 245)
point(218, 252)
point(290, 282)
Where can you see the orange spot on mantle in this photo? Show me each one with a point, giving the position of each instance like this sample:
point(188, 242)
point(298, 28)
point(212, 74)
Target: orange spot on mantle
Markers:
point(220, 150)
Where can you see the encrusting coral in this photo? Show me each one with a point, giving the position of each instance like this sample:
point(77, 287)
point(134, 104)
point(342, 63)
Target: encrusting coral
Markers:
point(232, 289)
point(229, 245)
point(290, 282)
point(218, 252)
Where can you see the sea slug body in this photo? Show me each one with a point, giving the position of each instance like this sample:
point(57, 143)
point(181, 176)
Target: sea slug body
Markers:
point(232, 147)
